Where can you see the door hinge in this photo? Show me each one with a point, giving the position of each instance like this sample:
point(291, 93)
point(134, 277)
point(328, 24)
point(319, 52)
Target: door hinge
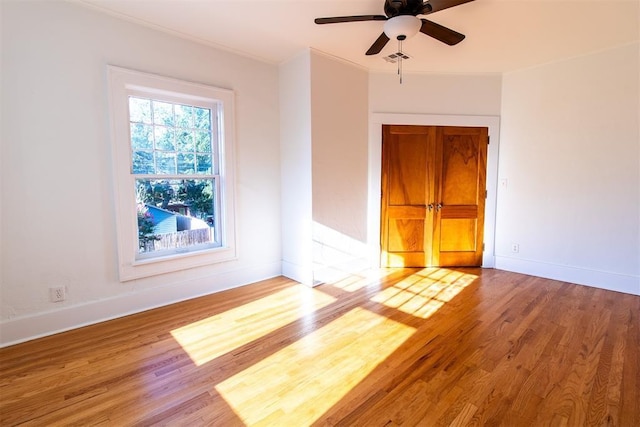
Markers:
point(488, 140)
point(483, 247)
point(486, 194)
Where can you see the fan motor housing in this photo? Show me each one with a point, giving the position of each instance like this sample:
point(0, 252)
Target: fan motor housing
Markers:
point(403, 7)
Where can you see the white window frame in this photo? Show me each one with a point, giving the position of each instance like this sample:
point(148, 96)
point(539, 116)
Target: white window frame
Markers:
point(122, 84)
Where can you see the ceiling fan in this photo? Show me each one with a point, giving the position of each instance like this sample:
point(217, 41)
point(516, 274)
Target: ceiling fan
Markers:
point(402, 22)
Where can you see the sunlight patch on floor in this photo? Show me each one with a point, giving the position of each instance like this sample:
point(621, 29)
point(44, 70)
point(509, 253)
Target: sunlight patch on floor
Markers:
point(299, 383)
point(214, 336)
point(363, 279)
point(424, 292)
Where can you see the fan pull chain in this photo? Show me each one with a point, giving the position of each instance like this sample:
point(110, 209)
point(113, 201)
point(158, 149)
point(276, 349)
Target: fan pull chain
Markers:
point(400, 59)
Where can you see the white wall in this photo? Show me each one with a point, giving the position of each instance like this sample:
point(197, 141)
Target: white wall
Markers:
point(339, 102)
point(58, 226)
point(570, 164)
point(295, 153)
point(323, 105)
point(454, 94)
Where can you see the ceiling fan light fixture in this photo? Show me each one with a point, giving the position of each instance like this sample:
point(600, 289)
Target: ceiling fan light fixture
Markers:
point(402, 27)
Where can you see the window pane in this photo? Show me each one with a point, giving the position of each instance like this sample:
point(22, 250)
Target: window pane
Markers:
point(202, 118)
point(184, 116)
point(184, 141)
point(165, 138)
point(143, 162)
point(139, 110)
point(165, 163)
point(204, 164)
point(141, 137)
point(203, 142)
point(186, 164)
point(174, 213)
point(163, 113)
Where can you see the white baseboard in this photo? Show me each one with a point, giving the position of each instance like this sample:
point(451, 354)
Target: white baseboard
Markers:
point(14, 331)
point(595, 278)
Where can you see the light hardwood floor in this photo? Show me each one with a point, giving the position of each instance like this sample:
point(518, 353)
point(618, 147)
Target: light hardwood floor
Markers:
point(398, 347)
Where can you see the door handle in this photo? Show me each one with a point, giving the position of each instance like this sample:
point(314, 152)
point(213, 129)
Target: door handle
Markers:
point(430, 207)
point(438, 207)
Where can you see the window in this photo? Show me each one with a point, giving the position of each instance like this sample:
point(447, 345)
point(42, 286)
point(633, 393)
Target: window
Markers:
point(174, 161)
point(173, 169)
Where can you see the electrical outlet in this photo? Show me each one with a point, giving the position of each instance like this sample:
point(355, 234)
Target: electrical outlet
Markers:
point(515, 248)
point(57, 294)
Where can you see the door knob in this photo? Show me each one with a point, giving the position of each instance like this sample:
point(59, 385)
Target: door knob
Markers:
point(430, 206)
point(439, 206)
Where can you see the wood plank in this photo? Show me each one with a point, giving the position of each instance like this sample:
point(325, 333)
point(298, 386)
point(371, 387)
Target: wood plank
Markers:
point(430, 346)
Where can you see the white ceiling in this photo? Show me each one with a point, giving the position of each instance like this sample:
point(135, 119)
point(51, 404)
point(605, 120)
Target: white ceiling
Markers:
point(502, 35)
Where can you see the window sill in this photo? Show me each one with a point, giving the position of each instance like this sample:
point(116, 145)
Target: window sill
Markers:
point(175, 262)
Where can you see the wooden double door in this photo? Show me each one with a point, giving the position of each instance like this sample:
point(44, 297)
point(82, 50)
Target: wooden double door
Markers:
point(433, 195)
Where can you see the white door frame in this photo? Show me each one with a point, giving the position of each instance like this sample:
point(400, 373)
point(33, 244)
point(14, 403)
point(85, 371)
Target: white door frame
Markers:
point(375, 173)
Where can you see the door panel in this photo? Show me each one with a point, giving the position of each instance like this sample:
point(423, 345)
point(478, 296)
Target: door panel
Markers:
point(406, 228)
point(406, 235)
point(407, 172)
point(458, 235)
point(461, 171)
point(433, 195)
point(406, 184)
